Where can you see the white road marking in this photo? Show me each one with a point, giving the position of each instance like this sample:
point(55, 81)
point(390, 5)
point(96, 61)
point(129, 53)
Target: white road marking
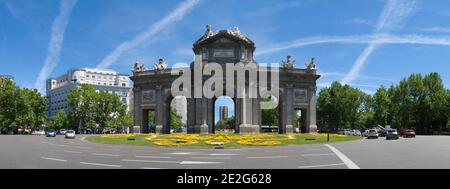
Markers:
point(82, 147)
point(150, 168)
point(211, 157)
point(100, 164)
point(198, 163)
point(325, 154)
point(73, 152)
point(349, 163)
point(267, 157)
point(180, 153)
point(223, 154)
point(110, 155)
point(326, 165)
point(54, 159)
point(174, 162)
point(154, 157)
point(148, 161)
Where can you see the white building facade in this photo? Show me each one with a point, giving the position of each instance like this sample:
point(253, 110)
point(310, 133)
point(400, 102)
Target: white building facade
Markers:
point(102, 79)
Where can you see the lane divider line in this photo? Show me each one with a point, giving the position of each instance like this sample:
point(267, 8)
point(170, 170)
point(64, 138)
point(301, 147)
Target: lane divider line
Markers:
point(325, 154)
point(349, 163)
point(73, 152)
point(110, 155)
point(100, 164)
point(54, 159)
point(315, 166)
point(267, 157)
point(154, 157)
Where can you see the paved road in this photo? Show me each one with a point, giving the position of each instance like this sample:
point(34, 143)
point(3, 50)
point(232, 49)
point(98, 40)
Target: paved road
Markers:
point(38, 152)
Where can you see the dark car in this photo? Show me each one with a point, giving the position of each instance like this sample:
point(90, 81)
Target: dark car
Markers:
point(51, 133)
point(409, 134)
point(392, 134)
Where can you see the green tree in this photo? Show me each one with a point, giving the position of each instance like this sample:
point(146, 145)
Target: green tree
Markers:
point(82, 105)
point(20, 107)
point(107, 106)
point(381, 104)
point(175, 120)
point(339, 106)
point(60, 121)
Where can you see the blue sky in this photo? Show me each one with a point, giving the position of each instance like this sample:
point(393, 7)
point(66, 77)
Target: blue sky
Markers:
point(365, 43)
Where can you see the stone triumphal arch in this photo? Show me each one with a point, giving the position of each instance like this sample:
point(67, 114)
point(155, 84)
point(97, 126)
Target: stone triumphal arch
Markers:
point(296, 88)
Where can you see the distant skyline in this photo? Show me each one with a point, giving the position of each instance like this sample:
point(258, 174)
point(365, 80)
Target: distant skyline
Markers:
point(363, 43)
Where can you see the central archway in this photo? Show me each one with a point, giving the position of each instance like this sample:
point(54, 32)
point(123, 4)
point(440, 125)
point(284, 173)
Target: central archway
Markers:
point(224, 114)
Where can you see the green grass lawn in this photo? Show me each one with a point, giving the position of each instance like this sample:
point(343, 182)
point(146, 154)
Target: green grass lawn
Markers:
point(300, 139)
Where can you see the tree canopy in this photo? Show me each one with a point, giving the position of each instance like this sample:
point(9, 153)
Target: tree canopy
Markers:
point(20, 107)
point(418, 102)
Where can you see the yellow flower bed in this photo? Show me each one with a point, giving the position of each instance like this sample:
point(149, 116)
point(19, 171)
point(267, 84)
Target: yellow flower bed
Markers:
point(258, 142)
point(326, 134)
point(118, 136)
point(162, 142)
point(217, 142)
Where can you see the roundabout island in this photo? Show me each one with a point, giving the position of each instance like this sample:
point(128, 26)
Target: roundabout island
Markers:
point(220, 139)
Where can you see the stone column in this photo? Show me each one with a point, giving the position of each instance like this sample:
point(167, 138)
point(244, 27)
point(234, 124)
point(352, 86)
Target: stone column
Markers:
point(210, 118)
point(201, 125)
point(247, 126)
point(289, 128)
point(257, 112)
point(160, 110)
point(312, 111)
point(137, 111)
point(191, 115)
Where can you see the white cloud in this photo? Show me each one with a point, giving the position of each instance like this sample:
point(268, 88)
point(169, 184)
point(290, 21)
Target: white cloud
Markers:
point(436, 29)
point(395, 12)
point(358, 39)
point(56, 42)
point(359, 21)
point(151, 32)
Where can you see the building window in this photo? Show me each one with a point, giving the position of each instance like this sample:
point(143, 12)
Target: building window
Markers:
point(124, 84)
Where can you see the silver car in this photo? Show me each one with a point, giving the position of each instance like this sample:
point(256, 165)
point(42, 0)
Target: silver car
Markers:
point(392, 134)
point(372, 133)
point(70, 134)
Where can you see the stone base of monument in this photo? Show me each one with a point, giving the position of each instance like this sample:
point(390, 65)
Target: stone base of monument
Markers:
point(159, 129)
point(313, 129)
point(201, 129)
point(136, 130)
point(249, 129)
point(289, 129)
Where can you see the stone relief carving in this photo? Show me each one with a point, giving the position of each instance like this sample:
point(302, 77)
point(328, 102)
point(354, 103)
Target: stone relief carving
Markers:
point(138, 67)
point(289, 63)
point(148, 97)
point(161, 65)
point(300, 95)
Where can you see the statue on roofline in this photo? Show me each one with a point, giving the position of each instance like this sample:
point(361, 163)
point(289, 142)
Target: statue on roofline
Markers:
point(289, 63)
point(311, 66)
point(161, 65)
point(138, 67)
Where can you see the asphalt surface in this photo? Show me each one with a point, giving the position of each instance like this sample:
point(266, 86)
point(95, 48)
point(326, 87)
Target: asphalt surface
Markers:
point(40, 152)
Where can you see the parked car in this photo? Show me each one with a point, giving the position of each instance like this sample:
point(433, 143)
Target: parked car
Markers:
point(70, 134)
point(409, 134)
point(348, 132)
point(51, 133)
point(372, 133)
point(392, 134)
point(38, 132)
point(356, 133)
point(62, 131)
